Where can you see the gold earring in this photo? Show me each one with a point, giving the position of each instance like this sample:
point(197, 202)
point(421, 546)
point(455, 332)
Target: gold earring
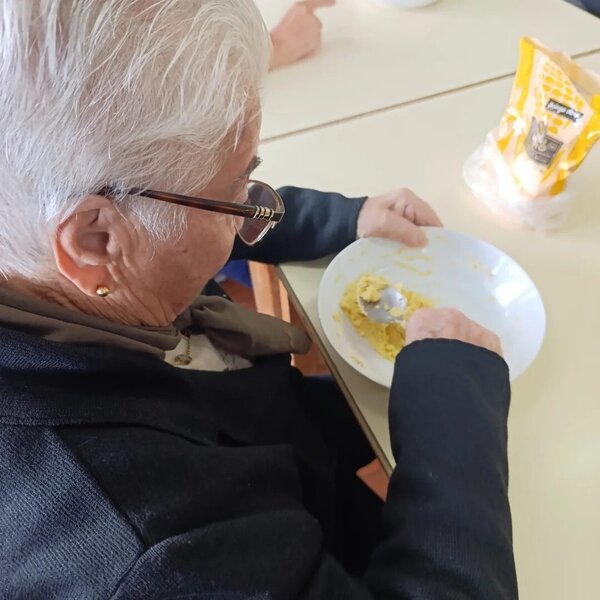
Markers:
point(102, 291)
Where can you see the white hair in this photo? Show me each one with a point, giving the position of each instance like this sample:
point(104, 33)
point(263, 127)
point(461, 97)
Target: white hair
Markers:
point(125, 93)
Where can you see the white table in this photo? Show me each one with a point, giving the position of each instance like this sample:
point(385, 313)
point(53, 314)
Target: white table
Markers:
point(554, 426)
point(376, 57)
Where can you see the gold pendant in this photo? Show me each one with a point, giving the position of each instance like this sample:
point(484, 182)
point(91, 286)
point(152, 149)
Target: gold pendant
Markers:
point(182, 360)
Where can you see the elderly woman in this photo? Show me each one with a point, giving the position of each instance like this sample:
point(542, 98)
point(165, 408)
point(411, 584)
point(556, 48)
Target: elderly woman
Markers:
point(155, 443)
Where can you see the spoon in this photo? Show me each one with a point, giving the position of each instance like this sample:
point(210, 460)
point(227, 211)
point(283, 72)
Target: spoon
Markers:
point(389, 308)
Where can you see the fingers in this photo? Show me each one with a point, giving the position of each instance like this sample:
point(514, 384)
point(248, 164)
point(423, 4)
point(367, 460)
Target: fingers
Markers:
point(394, 226)
point(313, 5)
point(420, 213)
point(449, 323)
point(397, 216)
point(298, 35)
point(412, 207)
point(302, 17)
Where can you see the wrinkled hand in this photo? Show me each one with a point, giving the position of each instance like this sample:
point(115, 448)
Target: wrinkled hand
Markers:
point(448, 323)
point(397, 216)
point(298, 33)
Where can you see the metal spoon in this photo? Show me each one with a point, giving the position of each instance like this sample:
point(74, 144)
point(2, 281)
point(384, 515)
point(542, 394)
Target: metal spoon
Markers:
point(379, 311)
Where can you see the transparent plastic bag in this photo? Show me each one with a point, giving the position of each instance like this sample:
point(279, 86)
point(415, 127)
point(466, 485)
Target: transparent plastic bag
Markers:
point(489, 178)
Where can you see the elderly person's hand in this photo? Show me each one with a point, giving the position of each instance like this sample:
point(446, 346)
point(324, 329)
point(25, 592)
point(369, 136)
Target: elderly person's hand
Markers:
point(397, 216)
point(449, 323)
point(298, 34)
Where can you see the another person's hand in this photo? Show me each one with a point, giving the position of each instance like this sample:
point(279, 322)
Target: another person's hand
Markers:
point(397, 216)
point(298, 34)
point(449, 323)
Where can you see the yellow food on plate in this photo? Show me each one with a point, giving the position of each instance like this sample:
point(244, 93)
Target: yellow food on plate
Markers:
point(386, 340)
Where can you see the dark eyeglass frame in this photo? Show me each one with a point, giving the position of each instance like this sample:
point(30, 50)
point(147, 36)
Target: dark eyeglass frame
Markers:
point(236, 209)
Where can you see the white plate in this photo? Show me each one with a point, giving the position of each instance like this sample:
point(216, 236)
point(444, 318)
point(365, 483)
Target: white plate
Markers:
point(453, 270)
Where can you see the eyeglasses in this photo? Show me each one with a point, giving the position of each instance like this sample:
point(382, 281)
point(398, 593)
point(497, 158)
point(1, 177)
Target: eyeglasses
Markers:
point(261, 211)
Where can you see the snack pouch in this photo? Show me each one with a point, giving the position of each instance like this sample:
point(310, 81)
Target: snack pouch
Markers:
point(551, 123)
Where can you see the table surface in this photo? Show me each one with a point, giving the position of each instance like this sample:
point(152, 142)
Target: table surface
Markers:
point(554, 447)
point(375, 56)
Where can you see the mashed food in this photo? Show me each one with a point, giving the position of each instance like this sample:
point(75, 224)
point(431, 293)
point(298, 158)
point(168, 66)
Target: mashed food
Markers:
point(386, 340)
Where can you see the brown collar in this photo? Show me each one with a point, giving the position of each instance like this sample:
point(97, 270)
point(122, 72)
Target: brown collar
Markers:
point(229, 326)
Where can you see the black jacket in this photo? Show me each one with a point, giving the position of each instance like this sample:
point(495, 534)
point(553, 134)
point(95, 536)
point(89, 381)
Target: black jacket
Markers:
point(123, 477)
point(593, 6)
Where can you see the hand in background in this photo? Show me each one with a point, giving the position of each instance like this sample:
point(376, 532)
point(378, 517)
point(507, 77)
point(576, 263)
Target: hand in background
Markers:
point(298, 34)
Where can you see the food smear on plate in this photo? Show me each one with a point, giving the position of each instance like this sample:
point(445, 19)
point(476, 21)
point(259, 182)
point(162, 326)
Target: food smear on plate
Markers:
point(386, 340)
point(413, 268)
point(357, 360)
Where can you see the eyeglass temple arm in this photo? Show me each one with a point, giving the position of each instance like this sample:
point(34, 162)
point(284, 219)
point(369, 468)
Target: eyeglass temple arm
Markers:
point(238, 210)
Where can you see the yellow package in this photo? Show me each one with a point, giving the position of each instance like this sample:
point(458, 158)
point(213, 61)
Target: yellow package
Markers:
point(552, 121)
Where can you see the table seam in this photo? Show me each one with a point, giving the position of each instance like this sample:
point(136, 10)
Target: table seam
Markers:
point(392, 107)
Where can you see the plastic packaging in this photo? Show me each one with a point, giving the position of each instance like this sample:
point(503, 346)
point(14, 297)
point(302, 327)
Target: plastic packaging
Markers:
point(551, 123)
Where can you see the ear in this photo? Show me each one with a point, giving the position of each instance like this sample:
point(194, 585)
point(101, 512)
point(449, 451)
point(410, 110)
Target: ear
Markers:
point(89, 245)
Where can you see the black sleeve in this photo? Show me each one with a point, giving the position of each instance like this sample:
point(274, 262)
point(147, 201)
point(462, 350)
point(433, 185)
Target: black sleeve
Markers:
point(315, 224)
point(447, 524)
point(446, 531)
point(593, 6)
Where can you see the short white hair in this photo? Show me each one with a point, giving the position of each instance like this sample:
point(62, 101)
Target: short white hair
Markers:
point(126, 93)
